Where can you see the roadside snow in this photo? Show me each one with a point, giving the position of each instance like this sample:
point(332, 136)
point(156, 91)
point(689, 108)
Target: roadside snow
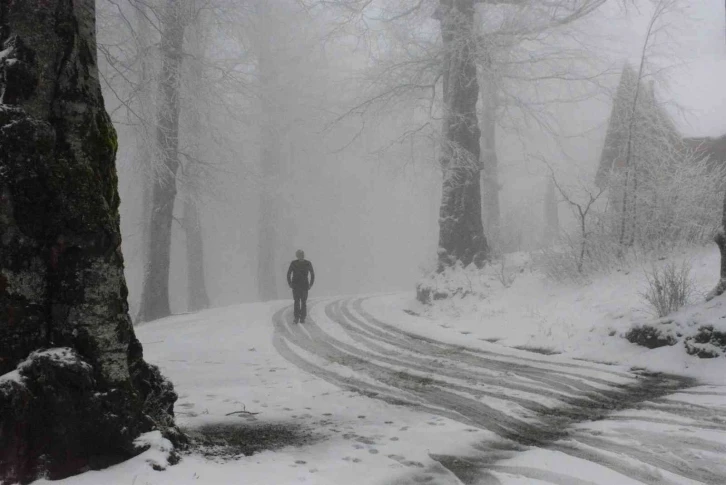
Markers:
point(582, 321)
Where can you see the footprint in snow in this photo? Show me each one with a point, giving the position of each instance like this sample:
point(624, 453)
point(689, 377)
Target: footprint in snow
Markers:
point(423, 479)
point(403, 461)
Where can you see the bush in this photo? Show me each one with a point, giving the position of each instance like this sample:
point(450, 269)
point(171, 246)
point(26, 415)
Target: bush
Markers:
point(453, 282)
point(707, 343)
point(678, 203)
point(669, 288)
point(650, 337)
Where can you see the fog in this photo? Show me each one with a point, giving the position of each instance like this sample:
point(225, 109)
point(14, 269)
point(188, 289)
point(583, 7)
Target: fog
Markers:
point(359, 191)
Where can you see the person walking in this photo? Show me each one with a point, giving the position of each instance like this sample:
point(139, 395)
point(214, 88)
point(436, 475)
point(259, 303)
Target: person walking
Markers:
point(297, 279)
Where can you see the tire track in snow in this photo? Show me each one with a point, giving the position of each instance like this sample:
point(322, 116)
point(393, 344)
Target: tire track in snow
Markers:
point(530, 402)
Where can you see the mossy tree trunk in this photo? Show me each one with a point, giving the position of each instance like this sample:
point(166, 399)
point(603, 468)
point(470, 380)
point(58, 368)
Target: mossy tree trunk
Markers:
point(461, 236)
point(155, 295)
point(77, 385)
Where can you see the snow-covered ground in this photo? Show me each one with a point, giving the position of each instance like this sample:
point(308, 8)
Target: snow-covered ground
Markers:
point(395, 393)
point(577, 320)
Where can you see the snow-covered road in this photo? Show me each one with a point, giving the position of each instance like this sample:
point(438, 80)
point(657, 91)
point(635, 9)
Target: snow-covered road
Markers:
point(555, 420)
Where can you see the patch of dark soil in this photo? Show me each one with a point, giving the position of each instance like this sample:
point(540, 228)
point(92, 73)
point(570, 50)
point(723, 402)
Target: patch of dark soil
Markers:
point(234, 440)
point(537, 350)
point(412, 313)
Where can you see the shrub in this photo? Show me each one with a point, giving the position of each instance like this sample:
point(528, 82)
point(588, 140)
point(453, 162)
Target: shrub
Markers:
point(707, 343)
point(678, 203)
point(669, 288)
point(650, 337)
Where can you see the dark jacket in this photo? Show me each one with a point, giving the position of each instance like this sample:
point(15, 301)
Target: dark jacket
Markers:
point(297, 274)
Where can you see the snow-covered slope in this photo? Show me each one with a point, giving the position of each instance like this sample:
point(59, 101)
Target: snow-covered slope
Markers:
point(576, 320)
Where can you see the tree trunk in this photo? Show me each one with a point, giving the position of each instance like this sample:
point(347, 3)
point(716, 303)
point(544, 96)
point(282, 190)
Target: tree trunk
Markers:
point(76, 398)
point(268, 270)
point(155, 296)
point(721, 243)
point(461, 236)
point(490, 163)
point(144, 144)
point(197, 296)
point(198, 299)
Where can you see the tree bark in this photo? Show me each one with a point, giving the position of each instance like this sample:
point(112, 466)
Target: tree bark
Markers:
point(197, 295)
point(75, 396)
point(490, 173)
point(269, 272)
point(198, 299)
point(155, 296)
point(720, 240)
point(461, 236)
point(145, 144)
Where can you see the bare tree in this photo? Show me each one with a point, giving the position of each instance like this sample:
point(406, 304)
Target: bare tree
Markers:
point(155, 295)
point(520, 53)
point(194, 135)
point(639, 127)
point(461, 235)
point(271, 136)
point(420, 63)
point(581, 209)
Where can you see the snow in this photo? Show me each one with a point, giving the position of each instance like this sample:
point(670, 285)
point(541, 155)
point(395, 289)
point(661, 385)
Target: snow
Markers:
point(225, 361)
point(12, 376)
point(582, 321)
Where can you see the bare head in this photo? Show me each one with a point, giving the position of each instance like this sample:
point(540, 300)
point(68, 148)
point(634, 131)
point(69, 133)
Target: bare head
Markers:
point(300, 254)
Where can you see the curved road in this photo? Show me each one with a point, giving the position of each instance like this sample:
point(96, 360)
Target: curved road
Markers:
point(529, 400)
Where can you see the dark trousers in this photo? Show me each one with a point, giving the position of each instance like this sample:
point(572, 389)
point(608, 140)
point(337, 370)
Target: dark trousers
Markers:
point(300, 295)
